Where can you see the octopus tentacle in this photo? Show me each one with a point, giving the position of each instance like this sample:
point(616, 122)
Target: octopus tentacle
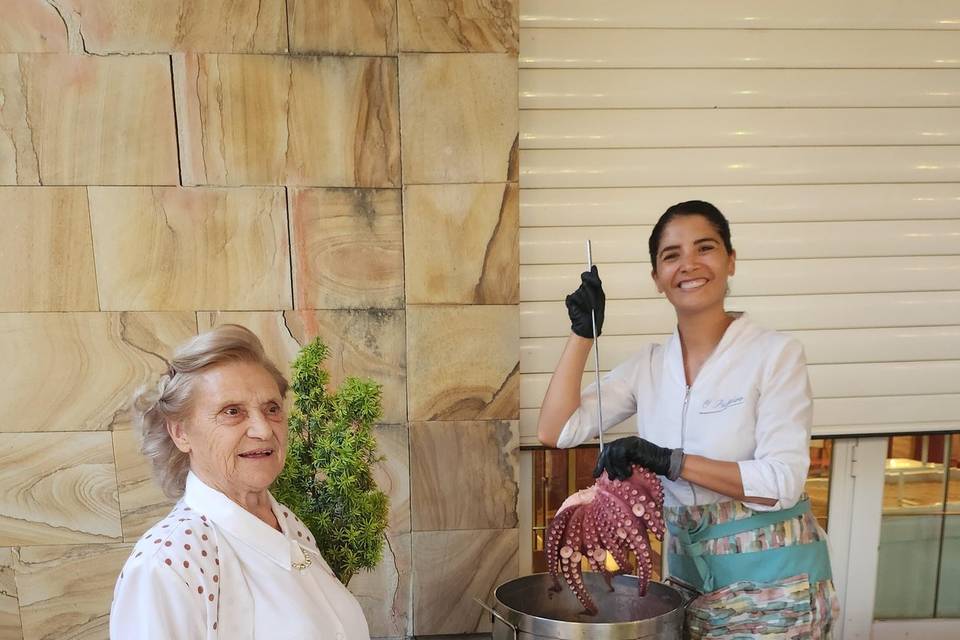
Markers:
point(570, 557)
point(552, 546)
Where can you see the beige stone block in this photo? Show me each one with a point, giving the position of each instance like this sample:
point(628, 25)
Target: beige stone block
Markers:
point(173, 248)
point(490, 26)
point(363, 343)
point(78, 371)
point(66, 591)
point(100, 120)
point(352, 27)
point(18, 151)
point(310, 121)
point(145, 26)
point(463, 363)
point(347, 248)
point(451, 568)
point(459, 114)
point(31, 26)
point(461, 244)
point(385, 594)
point(47, 260)
point(57, 488)
point(9, 602)
point(482, 456)
point(142, 503)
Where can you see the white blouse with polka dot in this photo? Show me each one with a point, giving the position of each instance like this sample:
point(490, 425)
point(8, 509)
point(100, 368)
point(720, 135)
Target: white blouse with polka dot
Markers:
point(211, 569)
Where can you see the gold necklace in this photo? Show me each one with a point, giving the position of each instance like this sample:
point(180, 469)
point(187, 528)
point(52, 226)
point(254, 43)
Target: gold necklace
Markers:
point(307, 561)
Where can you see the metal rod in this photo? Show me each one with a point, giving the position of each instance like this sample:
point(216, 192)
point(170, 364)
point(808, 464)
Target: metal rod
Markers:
point(596, 355)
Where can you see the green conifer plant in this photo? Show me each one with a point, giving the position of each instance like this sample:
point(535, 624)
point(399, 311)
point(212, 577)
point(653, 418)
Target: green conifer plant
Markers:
point(327, 479)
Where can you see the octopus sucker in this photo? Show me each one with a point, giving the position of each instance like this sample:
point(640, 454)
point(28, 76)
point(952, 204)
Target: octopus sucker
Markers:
point(614, 517)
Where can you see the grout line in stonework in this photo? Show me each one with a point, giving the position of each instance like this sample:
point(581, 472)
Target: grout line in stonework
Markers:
point(411, 605)
point(286, 13)
point(176, 124)
point(93, 248)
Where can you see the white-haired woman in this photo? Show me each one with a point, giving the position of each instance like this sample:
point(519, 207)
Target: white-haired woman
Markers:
point(229, 561)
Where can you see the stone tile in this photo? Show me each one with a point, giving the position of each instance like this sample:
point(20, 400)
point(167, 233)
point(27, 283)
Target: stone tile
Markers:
point(347, 248)
point(451, 568)
point(463, 363)
point(392, 474)
point(86, 115)
point(385, 593)
point(47, 260)
point(57, 488)
point(66, 591)
point(18, 151)
point(351, 27)
point(138, 26)
point(309, 121)
point(461, 244)
point(31, 26)
point(491, 26)
point(173, 248)
point(459, 114)
point(9, 602)
point(483, 458)
point(77, 371)
point(363, 343)
point(142, 503)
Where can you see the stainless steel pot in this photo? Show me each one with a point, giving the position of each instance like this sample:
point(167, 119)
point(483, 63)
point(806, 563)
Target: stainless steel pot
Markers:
point(526, 610)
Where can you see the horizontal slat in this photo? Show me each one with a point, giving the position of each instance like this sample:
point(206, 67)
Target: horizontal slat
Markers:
point(846, 311)
point(753, 14)
point(837, 346)
point(737, 48)
point(779, 203)
point(679, 88)
point(827, 380)
point(650, 128)
point(743, 166)
point(760, 240)
point(761, 277)
point(528, 429)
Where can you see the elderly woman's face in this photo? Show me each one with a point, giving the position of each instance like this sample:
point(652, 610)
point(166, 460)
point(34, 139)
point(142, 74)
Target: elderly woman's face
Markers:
point(236, 434)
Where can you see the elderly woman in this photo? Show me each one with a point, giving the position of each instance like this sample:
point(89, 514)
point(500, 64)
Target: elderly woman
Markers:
point(229, 561)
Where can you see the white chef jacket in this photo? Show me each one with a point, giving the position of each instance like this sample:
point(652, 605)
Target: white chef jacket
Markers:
point(212, 570)
point(750, 403)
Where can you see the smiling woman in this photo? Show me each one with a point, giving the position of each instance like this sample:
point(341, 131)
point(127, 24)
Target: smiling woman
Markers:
point(215, 430)
point(724, 415)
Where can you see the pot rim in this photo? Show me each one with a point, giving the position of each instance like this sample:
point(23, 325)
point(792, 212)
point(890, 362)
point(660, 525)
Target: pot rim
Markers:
point(537, 625)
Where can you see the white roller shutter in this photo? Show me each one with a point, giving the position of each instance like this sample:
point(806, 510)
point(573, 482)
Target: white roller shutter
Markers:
point(829, 134)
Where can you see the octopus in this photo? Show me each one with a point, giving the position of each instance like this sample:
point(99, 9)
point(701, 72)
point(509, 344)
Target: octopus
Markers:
point(611, 516)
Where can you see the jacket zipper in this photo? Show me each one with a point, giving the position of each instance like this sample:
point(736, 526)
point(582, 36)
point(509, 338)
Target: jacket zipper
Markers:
point(683, 433)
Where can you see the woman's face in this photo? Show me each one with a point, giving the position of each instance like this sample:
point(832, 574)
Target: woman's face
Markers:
point(236, 433)
point(692, 265)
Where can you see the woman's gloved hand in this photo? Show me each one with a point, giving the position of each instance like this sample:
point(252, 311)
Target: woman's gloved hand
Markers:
point(589, 296)
point(618, 455)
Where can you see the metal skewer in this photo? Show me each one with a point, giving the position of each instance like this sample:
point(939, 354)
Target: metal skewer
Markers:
point(596, 356)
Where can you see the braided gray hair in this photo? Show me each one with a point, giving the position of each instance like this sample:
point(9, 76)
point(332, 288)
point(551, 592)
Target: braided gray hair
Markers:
point(170, 399)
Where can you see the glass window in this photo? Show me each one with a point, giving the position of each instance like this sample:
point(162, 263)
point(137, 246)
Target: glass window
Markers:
point(818, 479)
point(919, 533)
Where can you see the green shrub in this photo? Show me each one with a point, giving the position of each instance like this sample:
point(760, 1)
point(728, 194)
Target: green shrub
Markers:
point(327, 479)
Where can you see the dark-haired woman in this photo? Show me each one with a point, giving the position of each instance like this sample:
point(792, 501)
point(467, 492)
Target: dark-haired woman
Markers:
point(724, 415)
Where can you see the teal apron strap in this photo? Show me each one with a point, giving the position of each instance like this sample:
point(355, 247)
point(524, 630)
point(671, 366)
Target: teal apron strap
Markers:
point(710, 571)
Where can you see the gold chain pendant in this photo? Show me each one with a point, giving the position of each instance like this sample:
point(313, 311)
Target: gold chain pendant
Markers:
point(307, 561)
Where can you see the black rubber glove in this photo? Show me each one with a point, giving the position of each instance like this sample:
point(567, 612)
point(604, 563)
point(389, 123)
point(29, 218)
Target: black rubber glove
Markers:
point(618, 455)
point(589, 296)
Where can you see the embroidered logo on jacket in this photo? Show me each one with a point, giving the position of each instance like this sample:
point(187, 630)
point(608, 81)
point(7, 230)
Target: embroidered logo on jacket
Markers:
point(716, 406)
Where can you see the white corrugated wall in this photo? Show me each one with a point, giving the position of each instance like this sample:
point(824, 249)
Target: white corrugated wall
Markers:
point(829, 134)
